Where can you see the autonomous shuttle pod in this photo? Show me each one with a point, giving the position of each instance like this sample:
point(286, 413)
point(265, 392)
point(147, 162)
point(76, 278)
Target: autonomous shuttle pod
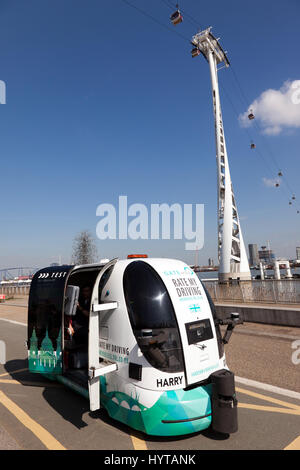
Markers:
point(148, 349)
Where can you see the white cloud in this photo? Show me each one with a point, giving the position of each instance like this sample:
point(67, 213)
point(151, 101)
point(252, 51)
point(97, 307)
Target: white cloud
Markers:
point(269, 182)
point(276, 109)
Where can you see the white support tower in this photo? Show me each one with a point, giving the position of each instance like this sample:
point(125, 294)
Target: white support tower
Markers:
point(233, 261)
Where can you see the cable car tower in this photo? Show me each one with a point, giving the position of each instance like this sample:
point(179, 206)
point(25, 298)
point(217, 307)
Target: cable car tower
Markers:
point(233, 261)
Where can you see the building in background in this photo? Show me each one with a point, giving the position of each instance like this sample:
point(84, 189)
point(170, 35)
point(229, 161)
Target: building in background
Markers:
point(298, 253)
point(266, 255)
point(211, 262)
point(253, 255)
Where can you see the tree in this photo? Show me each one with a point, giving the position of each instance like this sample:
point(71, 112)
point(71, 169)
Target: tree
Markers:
point(84, 249)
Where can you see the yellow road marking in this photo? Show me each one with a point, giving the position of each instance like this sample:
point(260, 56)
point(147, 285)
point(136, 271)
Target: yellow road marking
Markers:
point(13, 372)
point(267, 398)
point(273, 409)
point(295, 445)
point(138, 444)
point(44, 436)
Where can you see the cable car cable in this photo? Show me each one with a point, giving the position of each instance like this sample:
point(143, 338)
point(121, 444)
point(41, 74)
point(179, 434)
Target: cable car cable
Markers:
point(145, 13)
point(246, 101)
point(246, 130)
point(259, 129)
point(258, 151)
point(275, 162)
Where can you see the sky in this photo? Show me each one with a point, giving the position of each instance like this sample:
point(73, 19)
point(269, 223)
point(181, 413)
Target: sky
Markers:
point(103, 101)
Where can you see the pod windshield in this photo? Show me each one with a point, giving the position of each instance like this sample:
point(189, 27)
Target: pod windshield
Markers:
point(152, 317)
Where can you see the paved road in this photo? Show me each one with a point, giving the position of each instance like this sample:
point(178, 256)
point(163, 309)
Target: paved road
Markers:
point(264, 353)
point(38, 414)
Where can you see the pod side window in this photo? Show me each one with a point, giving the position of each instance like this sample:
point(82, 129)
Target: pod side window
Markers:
point(103, 281)
point(152, 317)
point(45, 319)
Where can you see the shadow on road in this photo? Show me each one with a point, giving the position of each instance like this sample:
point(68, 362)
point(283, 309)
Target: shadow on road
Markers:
point(72, 406)
point(68, 404)
point(15, 365)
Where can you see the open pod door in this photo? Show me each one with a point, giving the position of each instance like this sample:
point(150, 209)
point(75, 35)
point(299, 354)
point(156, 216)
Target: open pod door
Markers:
point(97, 368)
point(45, 310)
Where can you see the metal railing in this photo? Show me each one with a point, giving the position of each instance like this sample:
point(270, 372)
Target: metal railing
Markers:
point(286, 291)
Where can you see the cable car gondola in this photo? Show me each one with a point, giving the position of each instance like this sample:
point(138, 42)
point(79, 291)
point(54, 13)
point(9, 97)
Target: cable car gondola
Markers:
point(277, 185)
point(252, 146)
point(279, 173)
point(293, 197)
point(176, 17)
point(195, 52)
point(251, 115)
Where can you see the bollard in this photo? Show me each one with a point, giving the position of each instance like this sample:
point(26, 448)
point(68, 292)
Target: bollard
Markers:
point(2, 353)
point(277, 270)
point(262, 273)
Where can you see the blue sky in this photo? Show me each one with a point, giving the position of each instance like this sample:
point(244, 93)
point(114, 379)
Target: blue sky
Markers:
point(102, 102)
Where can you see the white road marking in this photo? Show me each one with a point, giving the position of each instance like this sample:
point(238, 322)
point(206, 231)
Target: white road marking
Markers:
point(261, 305)
point(266, 334)
point(268, 388)
point(14, 305)
point(13, 321)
